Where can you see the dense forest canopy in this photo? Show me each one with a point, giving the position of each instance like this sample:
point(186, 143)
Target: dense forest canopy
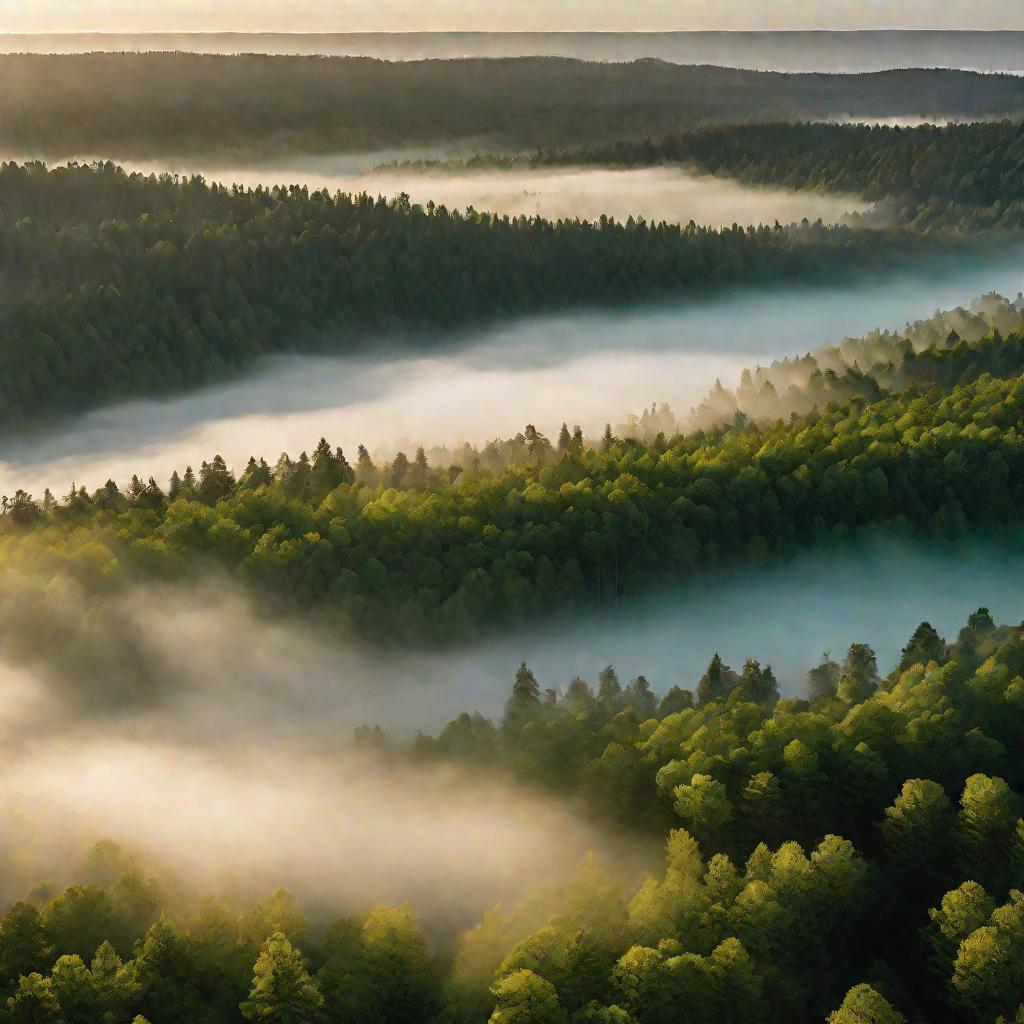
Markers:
point(115, 285)
point(965, 176)
point(923, 442)
point(853, 855)
point(160, 104)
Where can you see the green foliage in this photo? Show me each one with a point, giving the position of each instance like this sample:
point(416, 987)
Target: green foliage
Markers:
point(830, 841)
point(34, 1002)
point(524, 998)
point(863, 1005)
point(282, 991)
point(926, 177)
point(447, 556)
point(120, 284)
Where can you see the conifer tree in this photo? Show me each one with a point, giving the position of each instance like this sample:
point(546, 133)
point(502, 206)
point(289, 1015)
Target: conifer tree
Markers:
point(282, 990)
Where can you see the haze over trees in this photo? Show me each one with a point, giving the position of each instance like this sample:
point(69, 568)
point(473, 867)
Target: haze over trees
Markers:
point(924, 177)
point(117, 285)
point(850, 851)
point(853, 855)
point(926, 444)
point(157, 104)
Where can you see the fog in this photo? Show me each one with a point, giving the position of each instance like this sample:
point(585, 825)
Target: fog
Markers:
point(234, 770)
point(586, 193)
point(852, 51)
point(587, 368)
point(202, 666)
point(343, 832)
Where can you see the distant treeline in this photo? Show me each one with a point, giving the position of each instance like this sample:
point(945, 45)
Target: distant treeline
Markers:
point(966, 176)
point(859, 851)
point(159, 104)
point(407, 552)
point(114, 285)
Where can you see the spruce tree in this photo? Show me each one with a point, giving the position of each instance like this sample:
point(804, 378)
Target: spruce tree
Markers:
point(282, 990)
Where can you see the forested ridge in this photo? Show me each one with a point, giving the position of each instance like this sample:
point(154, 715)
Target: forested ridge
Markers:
point(158, 104)
point(961, 176)
point(845, 851)
point(409, 552)
point(853, 855)
point(114, 286)
point(946, 349)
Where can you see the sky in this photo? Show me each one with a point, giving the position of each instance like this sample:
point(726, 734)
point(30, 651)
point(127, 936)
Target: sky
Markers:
point(500, 15)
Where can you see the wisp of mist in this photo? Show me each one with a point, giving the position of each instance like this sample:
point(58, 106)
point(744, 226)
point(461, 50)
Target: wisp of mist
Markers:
point(237, 765)
point(566, 193)
point(587, 368)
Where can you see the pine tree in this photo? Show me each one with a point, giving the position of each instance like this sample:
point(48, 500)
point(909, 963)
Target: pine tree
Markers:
point(364, 464)
point(609, 690)
point(525, 699)
point(564, 439)
point(282, 990)
point(34, 1002)
point(713, 683)
point(399, 469)
point(925, 645)
point(345, 471)
point(420, 468)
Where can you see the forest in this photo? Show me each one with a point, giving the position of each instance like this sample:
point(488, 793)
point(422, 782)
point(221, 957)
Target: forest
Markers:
point(117, 285)
point(157, 104)
point(918, 443)
point(962, 177)
point(359, 734)
point(852, 854)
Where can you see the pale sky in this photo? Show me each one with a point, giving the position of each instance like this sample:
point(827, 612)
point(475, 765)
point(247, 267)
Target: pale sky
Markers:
point(499, 15)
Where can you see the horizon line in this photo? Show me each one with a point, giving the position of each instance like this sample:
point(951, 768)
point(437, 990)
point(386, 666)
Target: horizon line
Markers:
point(503, 32)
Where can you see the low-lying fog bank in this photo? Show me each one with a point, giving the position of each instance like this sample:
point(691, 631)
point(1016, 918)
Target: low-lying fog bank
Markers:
point(585, 193)
point(234, 767)
point(343, 832)
point(204, 664)
point(588, 368)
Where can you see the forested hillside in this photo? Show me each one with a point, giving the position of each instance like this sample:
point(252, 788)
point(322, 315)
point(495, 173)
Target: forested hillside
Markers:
point(963, 176)
point(411, 552)
point(237, 675)
point(114, 285)
point(160, 104)
point(856, 855)
point(946, 349)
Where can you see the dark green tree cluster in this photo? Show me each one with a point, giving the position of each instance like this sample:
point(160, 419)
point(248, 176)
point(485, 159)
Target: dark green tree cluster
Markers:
point(960, 175)
point(115, 285)
point(407, 552)
point(763, 912)
point(157, 104)
point(123, 948)
point(852, 856)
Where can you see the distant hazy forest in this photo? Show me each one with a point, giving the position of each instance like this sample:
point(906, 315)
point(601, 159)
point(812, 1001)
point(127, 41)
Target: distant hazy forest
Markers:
point(149, 105)
point(964, 176)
